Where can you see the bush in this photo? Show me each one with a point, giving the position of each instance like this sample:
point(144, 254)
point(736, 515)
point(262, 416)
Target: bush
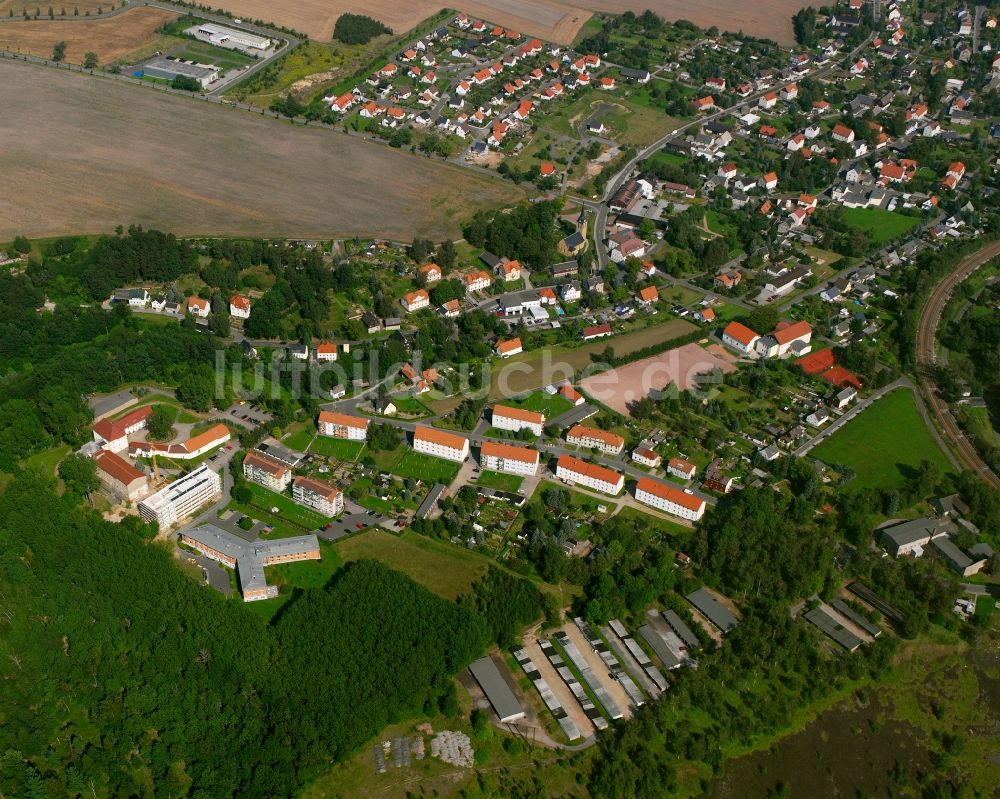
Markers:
point(185, 83)
point(358, 29)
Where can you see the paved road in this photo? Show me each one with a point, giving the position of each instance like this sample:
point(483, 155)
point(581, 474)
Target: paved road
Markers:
point(926, 354)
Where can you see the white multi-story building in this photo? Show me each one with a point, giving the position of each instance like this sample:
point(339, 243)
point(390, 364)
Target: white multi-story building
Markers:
point(326, 352)
point(516, 419)
point(669, 499)
point(679, 467)
point(320, 496)
point(340, 425)
point(647, 457)
point(440, 444)
point(592, 438)
point(508, 459)
point(239, 306)
point(266, 471)
point(196, 306)
point(182, 497)
point(579, 472)
point(477, 281)
point(416, 300)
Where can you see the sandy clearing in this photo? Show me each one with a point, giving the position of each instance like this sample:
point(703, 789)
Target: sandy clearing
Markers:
point(770, 19)
point(623, 386)
point(559, 688)
point(611, 685)
point(111, 37)
point(84, 154)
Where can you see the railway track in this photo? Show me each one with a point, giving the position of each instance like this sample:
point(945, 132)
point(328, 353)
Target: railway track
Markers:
point(930, 318)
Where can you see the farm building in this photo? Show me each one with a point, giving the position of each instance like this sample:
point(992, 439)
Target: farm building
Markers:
point(168, 68)
point(497, 691)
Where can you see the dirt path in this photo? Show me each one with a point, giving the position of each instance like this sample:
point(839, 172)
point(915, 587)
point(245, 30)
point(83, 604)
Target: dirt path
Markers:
point(611, 685)
point(556, 684)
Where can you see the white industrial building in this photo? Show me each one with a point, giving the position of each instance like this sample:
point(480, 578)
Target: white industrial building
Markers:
point(182, 497)
point(168, 68)
point(230, 38)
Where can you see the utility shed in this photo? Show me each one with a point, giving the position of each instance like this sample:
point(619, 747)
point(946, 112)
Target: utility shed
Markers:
point(850, 614)
point(683, 631)
point(507, 708)
point(713, 610)
point(834, 629)
point(430, 501)
point(659, 646)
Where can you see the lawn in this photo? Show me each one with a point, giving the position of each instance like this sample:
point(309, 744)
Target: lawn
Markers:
point(410, 406)
point(501, 482)
point(552, 405)
point(885, 444)
point(880, 225)
point(205, 53)
point(306, 573)
point(445, 569)
point(289, 511)
point(424, 467)
point(47, 460)
point(339, 448)
point(299, 440)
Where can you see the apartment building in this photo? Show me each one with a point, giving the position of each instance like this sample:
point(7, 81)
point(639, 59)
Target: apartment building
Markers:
point(593, 438)
point(239, 306)
point(182, 497)
point(508, 459)
point(440, 444)
point(340, 425)
point(320, 496)
point(266, 471)
point(416, 300)
point(669, 499)
point(505, 417)
point(579, 472)
point(119, 477)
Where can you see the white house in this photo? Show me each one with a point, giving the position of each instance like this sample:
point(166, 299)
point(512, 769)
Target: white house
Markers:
point(681, 468)
point(239, 306)
point(196, 306)
point(415, 300)
point(740, 337)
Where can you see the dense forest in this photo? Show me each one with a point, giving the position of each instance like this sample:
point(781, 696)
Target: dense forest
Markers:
point(123, 676)
point(357, 29)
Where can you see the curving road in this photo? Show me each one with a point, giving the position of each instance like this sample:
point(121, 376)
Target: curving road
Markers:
point(927, 357)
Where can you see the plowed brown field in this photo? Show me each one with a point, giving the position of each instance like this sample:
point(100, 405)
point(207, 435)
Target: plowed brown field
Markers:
point(110, 38)
point(771, 19)
point(83, 154)
point(554, 20)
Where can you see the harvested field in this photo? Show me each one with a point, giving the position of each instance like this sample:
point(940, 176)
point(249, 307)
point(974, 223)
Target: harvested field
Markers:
point(622, 387)
point(28, 7)
point(548, 19)
point(539, 368)
point(770, 19)
point(111, 37)
point(85, 154)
